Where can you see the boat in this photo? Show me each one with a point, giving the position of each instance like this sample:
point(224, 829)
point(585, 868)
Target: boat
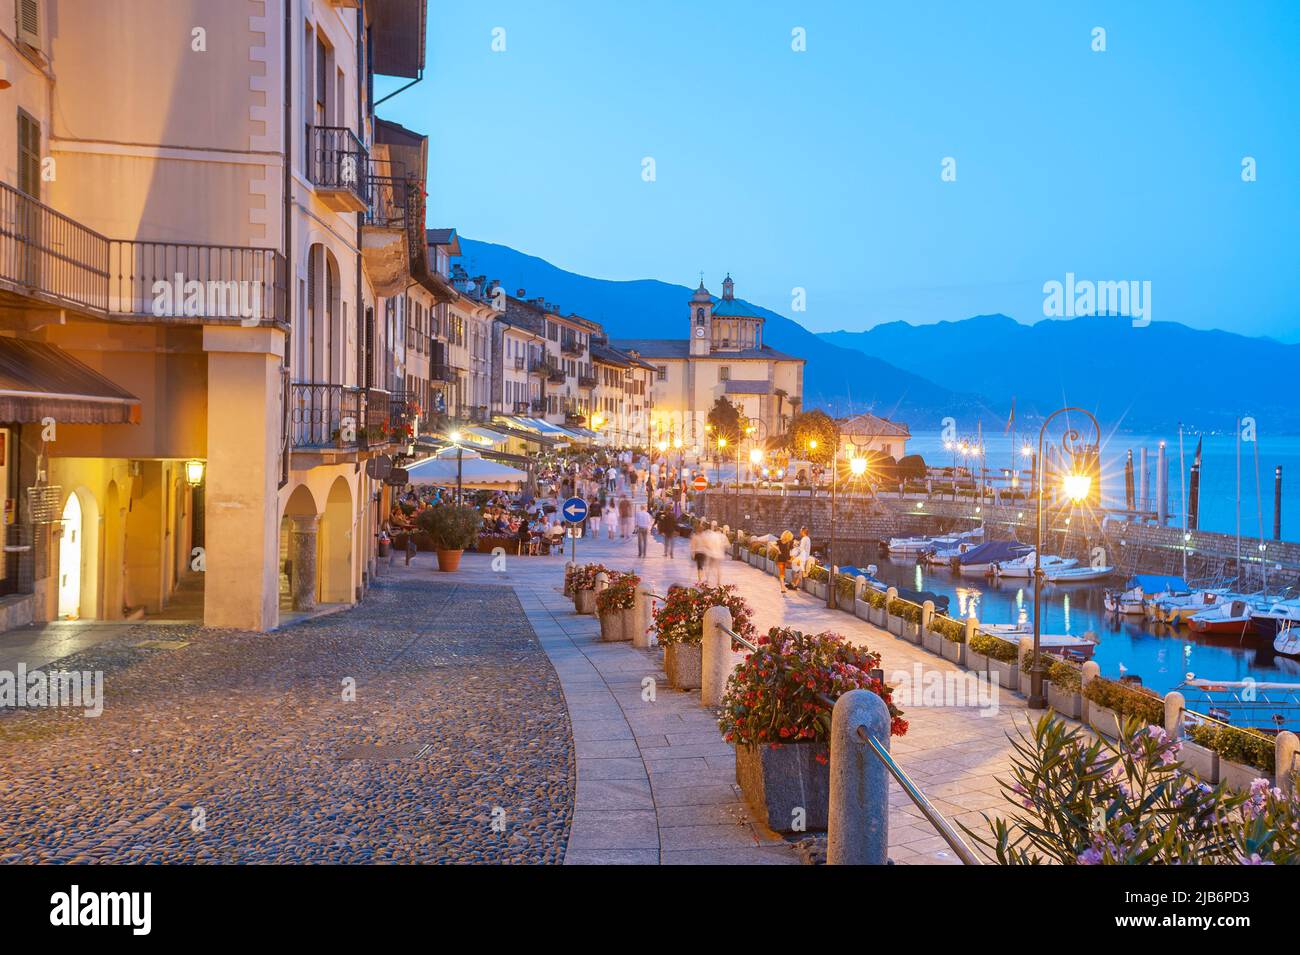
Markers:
point(1063, 644)
point(1278, 617)
point(1024, 566)
point(977, 561)
point(1078, 575)
point(921, 545)
point(1178, 609)
point(942, 556)
point(1132, 602)
point(1226, 617)
point(901, 546)
point(1287, 641)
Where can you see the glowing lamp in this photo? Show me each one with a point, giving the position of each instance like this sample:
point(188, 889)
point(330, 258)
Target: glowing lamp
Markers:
point(1076, 486)
point(194, 472)
point(858, 466)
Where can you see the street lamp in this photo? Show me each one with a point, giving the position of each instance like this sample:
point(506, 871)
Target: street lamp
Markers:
point(857, 467)
point(460, 454)
point(1075, 486)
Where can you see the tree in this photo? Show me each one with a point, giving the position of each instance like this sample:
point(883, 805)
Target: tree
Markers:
point(808, 427)
point(725, 421)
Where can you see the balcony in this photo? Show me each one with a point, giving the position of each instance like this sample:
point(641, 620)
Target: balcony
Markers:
point(523, 407)
point(555, 375)
point(586, 381)
point(47, 257)
point(519, 363)
point(324, 416)
point(539, 406)
point(440, 371)
point(573, 347)
point(338, 165)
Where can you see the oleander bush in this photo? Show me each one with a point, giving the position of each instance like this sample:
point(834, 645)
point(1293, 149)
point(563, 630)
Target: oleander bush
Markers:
point(1237, 744)
point(995, 648)
point(1087, 801)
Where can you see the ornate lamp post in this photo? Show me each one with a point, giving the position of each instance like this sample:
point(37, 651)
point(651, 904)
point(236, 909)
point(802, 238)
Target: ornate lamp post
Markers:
point(1075, 486)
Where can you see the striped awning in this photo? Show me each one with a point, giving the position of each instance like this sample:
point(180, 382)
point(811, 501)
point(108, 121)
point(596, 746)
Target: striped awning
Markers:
point(39, 380)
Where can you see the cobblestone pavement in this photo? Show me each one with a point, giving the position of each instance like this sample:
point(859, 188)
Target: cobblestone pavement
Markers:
point(253, 731)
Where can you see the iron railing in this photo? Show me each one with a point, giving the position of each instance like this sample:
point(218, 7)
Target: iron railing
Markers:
point(388, 202)
point(47, 254)
point(338, 161)
point(326, 416)
point(191, 281)
point(440, 371)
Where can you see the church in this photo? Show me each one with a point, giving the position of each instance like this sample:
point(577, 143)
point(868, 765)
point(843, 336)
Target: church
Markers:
point(723, 355)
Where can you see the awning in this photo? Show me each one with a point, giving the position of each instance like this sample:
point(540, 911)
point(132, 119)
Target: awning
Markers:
point(39, 380)
point(539, 439)
point(473, 470)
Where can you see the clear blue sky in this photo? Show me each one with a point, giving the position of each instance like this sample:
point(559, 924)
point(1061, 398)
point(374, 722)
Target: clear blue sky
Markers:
point(821, 169)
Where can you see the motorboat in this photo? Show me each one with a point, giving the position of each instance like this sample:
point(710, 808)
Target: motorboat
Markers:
point(1226, 617)
point(1287, 641)
point(978, 561)
point(1278, 617)
point(1132, 602)
point(902, 546)
point(1078, 575)
point(943, 556)
point(1024, 566)
point(1178, 609)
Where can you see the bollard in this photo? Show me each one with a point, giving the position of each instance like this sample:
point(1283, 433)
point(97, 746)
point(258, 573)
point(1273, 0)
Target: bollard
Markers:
point(1090, 671)
point(927, 615)
point(972, 624)
point(859, 586)
point(641, 638)
point(602, 581)
point(1175, 704)
point(857, 831)
point(718, 660)
point(1287, 765)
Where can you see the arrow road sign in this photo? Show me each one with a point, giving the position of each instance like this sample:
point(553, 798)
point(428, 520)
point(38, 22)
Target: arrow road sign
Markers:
point(574, 510)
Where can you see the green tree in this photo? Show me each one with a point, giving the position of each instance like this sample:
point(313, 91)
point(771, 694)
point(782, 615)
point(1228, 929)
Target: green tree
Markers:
point(808, 427)
point(725, 421)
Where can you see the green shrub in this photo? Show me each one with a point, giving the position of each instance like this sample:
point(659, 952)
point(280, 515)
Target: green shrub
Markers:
point(876, 598)
point(818, 573)
point(1067, 677)
point(995, 648)
point(451, 528)
point(845, 586)
point(948, 628)
point(1239, 745)
point(1126, 701)
point(905, 609)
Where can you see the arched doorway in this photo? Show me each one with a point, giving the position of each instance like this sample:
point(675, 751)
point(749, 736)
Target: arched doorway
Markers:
point(336, 545)
point(298, 551)
point(70, 560)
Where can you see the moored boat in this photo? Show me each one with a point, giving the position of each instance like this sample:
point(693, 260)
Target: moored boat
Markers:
point(1140, 589)
point(1023, 567)
point(1177, 609)
point(1269, 622)
point(1287, 641)
point(1078, 575)
point(977, 561)
point(1228, 617)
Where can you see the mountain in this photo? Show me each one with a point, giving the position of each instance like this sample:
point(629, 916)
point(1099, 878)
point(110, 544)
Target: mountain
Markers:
point(1150, 377)
point(839, 379)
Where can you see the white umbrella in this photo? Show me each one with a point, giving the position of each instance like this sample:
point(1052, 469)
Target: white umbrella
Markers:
point(475, 470)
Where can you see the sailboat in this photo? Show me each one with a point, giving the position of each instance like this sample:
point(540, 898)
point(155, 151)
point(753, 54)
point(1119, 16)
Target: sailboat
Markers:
point(1287, 641)
point(1024, 566)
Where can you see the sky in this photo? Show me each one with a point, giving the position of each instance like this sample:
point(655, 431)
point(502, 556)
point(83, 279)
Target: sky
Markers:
point(822, 169)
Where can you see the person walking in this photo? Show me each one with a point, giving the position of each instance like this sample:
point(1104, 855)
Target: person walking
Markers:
point(643, 524)
point(667, 525)
point(624, 517)
point(784, 545)
point(715, 548)
point(593, 517)
point(697, 552)
point(799, 561)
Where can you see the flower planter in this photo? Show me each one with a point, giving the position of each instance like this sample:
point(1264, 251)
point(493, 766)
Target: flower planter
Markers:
point(769, 565)
point(911, 632)
point(682, 663)
point(1239, 776)
point(877, 616)
point(861, 609)
point(932, 641)
point(1105, 721)
point(954, 651)
point(894, 624)
point(820, 588)
point(1008, 674)
point(777, 782)
point(1064, 702)
point(612, 627)
point(1201, 760)
point(976, 661)
point(449, 560)
point(584, 601)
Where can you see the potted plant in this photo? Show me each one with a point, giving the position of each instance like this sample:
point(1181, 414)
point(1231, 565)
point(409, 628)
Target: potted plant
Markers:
point(993, 655)
point(616, 607)
point(580, 580)
point(679, 623)
point(817, 580)
point(1064, 691)
point(774, 714)
point(1110, 702)
point(452, 530)
point(1199, 755)
point(1243, 755)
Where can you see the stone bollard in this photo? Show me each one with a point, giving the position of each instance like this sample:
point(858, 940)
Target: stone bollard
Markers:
point(718, 659)
point(972, 624)
point(1175, 704)
point(857, 831)
point(927, 615)
point(859, 587)
point(1287, 754)
point(641, 637)
point(1090, 672)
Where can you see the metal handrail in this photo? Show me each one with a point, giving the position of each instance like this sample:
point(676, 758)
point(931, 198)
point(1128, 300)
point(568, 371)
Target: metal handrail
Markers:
point(935, 818)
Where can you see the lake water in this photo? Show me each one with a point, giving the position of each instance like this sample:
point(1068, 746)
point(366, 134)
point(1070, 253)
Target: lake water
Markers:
point(1218, 497)
point(1161, 655)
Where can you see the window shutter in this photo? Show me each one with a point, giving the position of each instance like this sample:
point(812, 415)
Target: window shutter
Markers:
point(29, 23)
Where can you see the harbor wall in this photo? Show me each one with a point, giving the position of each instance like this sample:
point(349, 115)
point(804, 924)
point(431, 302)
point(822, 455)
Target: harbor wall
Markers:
point(862, 522)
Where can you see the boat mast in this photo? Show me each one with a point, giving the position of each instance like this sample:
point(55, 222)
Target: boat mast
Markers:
point(1182, 488)
point(1259, 509)
point(1239, 499)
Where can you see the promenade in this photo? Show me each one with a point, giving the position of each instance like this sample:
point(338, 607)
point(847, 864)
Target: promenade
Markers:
point(656, 782)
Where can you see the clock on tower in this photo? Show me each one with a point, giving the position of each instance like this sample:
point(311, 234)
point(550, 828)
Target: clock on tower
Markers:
point(701, 312)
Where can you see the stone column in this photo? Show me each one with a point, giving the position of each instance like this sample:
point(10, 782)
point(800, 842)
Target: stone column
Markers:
point(641, 637)
point(302, 552)
point(972, 624)
point(717, 659)
point(858, 823)
point(1287, 754)
point(1175, 704)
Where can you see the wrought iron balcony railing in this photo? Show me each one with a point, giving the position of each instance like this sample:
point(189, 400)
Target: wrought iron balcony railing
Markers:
point(388, 203)
point(46, 255)
point(440, 371)
point(571, 346)
point(586, 381)
point(338, 165)
point(187, 281)
point(326, 416)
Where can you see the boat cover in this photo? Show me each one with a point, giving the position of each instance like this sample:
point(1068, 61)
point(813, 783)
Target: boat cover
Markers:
point(992, 551)
point(1157, 583)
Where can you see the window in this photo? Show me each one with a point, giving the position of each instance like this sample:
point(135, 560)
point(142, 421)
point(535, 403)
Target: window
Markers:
point(662, 372)
point(29, 154)
point(724, 373)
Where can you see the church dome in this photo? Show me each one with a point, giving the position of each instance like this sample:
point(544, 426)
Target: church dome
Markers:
point(701, 294)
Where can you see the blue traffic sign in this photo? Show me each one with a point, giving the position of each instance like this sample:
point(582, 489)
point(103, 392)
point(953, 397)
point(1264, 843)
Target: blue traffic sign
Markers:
point(574, 510)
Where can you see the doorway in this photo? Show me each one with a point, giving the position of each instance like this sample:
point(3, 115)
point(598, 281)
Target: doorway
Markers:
point(70, 561)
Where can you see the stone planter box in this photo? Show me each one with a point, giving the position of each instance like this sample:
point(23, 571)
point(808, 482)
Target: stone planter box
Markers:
point(861, 609)
point(1238, 776)
point(1201, 760)
point(954, 651)
point(894, 624)
point(613, 627)
point(1008, 674)
point(778, 781)
point(911, 632)
point(1065, 703)
point(976, 661)
point(584, 601)
point(932, 641)
point(1104, 721)
point(819, 589)
point(877, 616)
point(682, 663)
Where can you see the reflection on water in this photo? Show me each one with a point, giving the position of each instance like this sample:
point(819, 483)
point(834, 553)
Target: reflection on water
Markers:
point(1161, 655)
